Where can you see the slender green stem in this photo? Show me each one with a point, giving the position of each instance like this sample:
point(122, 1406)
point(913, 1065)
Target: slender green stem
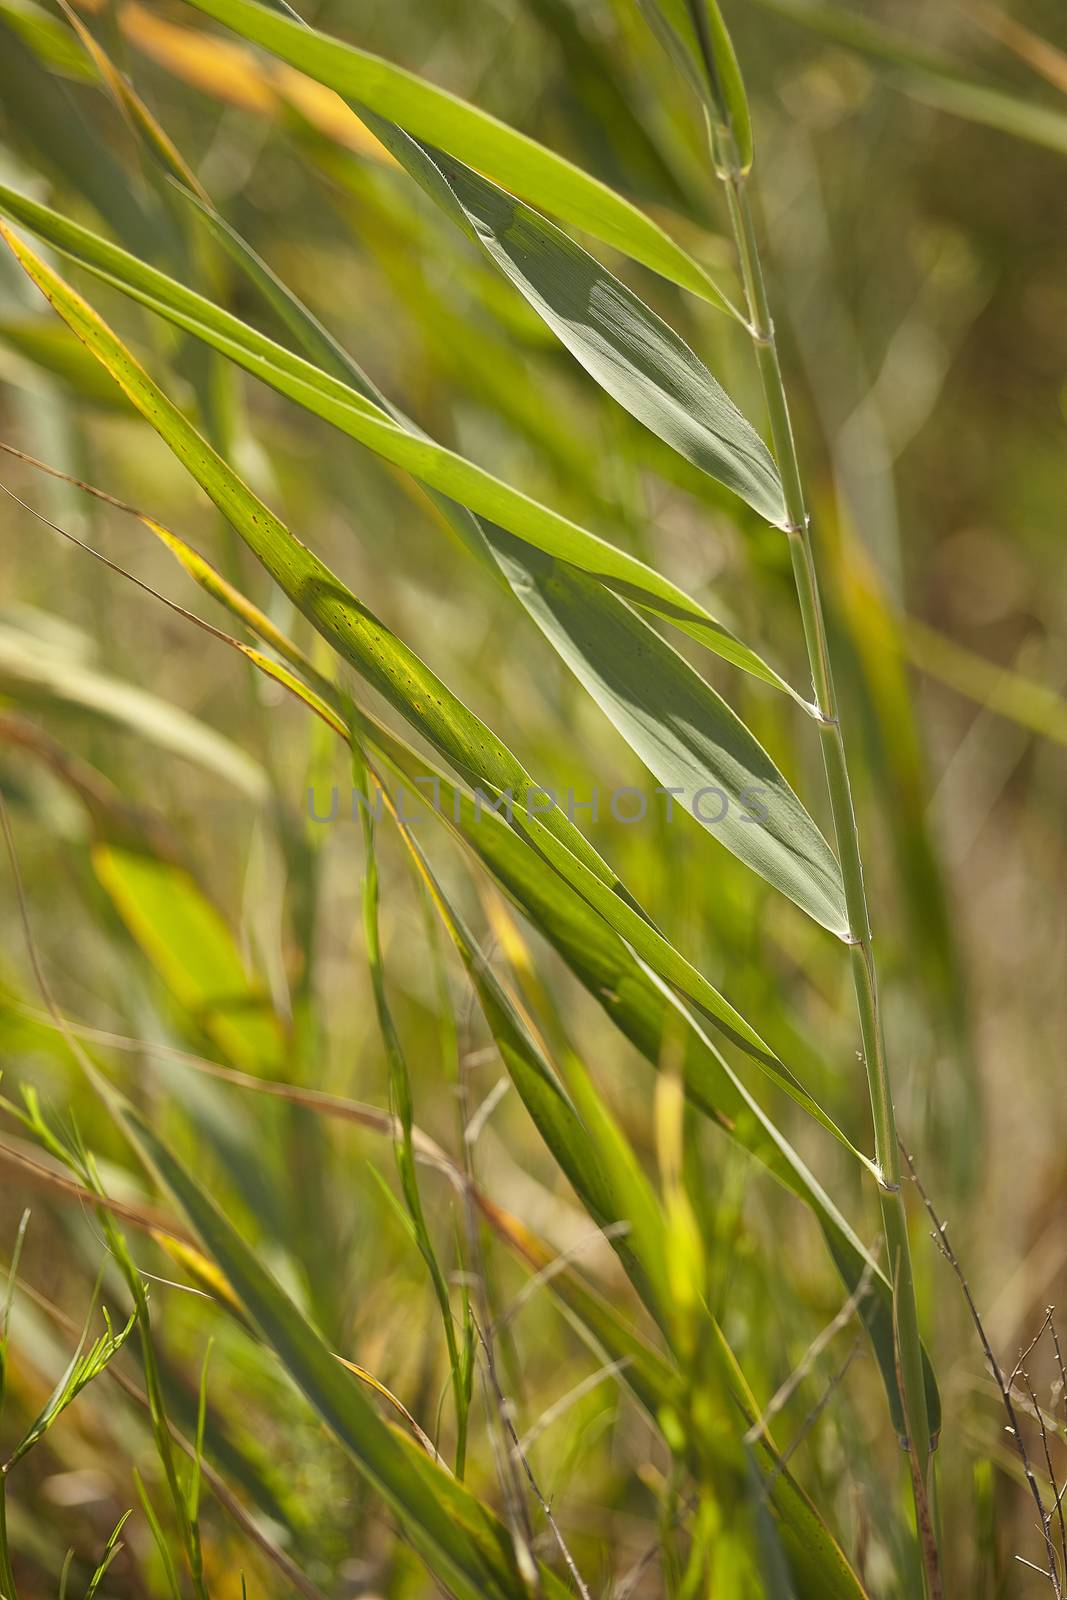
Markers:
point(7, 1576)
point(864, 974)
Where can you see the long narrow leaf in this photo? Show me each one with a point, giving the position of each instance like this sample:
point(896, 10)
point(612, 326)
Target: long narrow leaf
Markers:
point(364, 419)
point(621, 342)
point(683, 731)
point(430, 113)
point(483, 537)
point(633, 993)
point(699, 744)
point(388, 664)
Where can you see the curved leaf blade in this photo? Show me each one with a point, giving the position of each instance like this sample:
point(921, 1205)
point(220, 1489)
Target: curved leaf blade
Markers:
point(545, 178)
point(687, 736)
point(694, 35)
point(630, 351)
point(364, 419)
point(642, 1006)
point(683, 731)
point(381, 658)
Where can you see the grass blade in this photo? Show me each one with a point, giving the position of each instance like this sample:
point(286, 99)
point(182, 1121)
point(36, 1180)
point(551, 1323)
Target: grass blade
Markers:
point(630, 351)
point(641, 683)
point(191, 946)
point(343, 406)
point(547, 180)
point(388, 664)
point(34, 671)
point(639, 1002)
point(694, 35)
point(509, 556)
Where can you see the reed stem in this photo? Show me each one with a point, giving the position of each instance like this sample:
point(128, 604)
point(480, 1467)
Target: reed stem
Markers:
point(864, 972)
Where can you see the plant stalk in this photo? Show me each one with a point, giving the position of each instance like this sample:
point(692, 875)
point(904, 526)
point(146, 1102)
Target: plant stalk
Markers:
point(864, 973)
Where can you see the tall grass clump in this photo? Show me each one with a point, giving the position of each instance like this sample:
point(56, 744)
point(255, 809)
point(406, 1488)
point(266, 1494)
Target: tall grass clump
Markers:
point(437, 1165)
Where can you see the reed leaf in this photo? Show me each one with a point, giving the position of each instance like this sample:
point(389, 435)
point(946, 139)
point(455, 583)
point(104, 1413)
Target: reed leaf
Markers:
point(546, 179)
point(695, 36)
point(350, 411)
point(353, 630)
point(630, 351)
point(633, 675)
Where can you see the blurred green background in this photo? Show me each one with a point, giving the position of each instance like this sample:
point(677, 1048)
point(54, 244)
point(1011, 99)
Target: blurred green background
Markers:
point(919, 266)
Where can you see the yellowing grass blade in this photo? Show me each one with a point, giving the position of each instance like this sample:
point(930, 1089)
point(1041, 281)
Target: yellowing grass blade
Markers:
point(364, 418)
point(634, 676)
point(353, 630)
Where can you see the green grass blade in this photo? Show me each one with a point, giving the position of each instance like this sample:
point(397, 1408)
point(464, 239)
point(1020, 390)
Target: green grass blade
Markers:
point(582, 1136)
point(483, 538)
point(383, 660)
point(187, 940)
point(640, 1003)
point(46, 37)
point(545, 179)
point(641, 684)
point(687, 737)
point(694, 35)
point(338, 403)
point(683, 731)
point(84, 1366)
point(724, 73)
point(630, 351)
point(35, 672)
point(522, 873)
point(400, 1095)
point(819, 1566)
point(591, 1149)
point(648, 1013)
point(598, 895)
point(597, 887)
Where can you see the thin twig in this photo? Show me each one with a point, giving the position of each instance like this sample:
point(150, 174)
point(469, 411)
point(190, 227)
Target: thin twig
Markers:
point(941, 1239)
point(1056, 1508)
point(1034, 1342)
point(519, 1454)
point(1063, 1391)
point(631, 1579)
point(496, 1405)
point(559, 1407)
point(40, 1172)
point(473, 1130)
point(928, 1550)
point(558, 1264)
point(812, 1416)
point(332, 1105)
